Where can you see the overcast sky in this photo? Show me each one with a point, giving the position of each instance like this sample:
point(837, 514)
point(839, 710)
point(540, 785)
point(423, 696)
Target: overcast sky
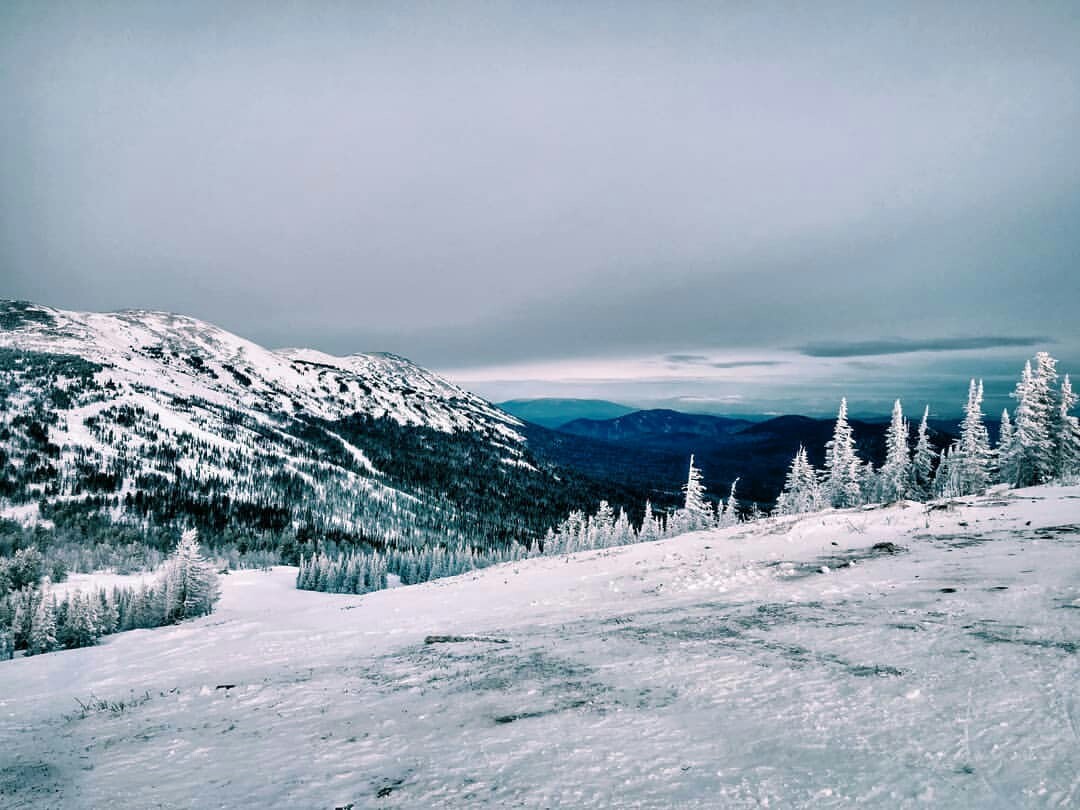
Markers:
point(747, 206)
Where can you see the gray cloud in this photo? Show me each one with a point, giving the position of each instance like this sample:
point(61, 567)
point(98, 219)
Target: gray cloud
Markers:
point(519, 182)
point(865, 348)
point(747, 363)
point(687, 359)
point(678, 360)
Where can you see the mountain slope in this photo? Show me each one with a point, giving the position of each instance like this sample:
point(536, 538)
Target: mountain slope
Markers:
point(786, 663)
point(167, 418)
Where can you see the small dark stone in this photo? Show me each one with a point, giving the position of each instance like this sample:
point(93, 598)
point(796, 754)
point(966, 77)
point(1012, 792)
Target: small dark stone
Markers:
point(886, 548)
point(461, 639)
point(948, 590)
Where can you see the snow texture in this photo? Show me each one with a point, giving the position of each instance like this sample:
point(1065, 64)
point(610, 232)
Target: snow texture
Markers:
point(889, 657)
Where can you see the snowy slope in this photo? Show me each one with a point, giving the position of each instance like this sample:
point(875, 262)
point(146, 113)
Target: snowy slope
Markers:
point(117, 404)
point(781, 664)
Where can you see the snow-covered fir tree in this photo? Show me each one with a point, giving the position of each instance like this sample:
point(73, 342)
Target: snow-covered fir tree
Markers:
point(623, 533)
point(602, 526)
point(843, 469)
point(973, 456)
point(42, 635)
point(81, 626)
point(1032, 457)
point(802, 490)
point(895, 476)
point(190, 583)
point(947, 476)
point(922, 463)
point(1004, 452)
point(730, 514)
point(650, 528)
point(1066, 434)
point(697, 512)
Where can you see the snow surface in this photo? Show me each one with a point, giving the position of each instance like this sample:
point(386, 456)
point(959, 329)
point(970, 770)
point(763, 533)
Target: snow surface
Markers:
point(91, 583)
point(756, 666)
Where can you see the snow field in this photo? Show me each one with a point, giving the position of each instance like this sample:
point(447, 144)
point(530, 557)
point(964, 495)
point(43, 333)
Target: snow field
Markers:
point(785, 663)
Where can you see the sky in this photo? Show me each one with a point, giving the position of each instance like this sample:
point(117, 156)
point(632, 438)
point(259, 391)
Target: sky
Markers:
point(735, 207)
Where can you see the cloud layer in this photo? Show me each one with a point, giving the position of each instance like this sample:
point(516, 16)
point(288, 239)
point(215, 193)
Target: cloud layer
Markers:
point(864, 348)
point(512, 184)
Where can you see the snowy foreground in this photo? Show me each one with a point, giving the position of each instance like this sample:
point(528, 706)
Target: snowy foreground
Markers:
point(753, 666)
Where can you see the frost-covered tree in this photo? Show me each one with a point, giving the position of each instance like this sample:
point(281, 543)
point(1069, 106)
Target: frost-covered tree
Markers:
point(602, 526)
point(843, 469)
point(1033, 454)
point(895, 476)
point(696, 511)
point(189, 583)
point(947, 476)
point(24, 606)
point(1004, 451)
point(81, 622)
point(922, 464)
point(1066, 433)
point(973, 456)
point(624, 532)
point(108, 613)
point(802, 490)
point(42, 636)
point(730, 514)
point(650, 528)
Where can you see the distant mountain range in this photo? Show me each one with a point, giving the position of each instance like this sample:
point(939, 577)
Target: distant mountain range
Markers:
point(649, 449)
point(553, 413)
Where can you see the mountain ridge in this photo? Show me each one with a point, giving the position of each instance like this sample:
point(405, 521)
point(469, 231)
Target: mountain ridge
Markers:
point(153, 416)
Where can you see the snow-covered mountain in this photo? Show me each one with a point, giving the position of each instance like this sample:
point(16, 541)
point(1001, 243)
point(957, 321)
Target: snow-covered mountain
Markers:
point(111, 405)
point(178, 356)
point(891, 657)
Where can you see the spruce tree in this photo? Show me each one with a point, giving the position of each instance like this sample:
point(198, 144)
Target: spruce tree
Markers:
point(42, 636)
point(1066, 433)
point(81, 624)
point(843, 469)
point(697, 512)
point(896, 472)
point(1033, 442)
point(650, 530)
point(190, 584)
point(947, 477)
point(602, 526)
point(973, 456)
point(1004, 452)
point(730, 515)
point(802, 490)
point(922, 465)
